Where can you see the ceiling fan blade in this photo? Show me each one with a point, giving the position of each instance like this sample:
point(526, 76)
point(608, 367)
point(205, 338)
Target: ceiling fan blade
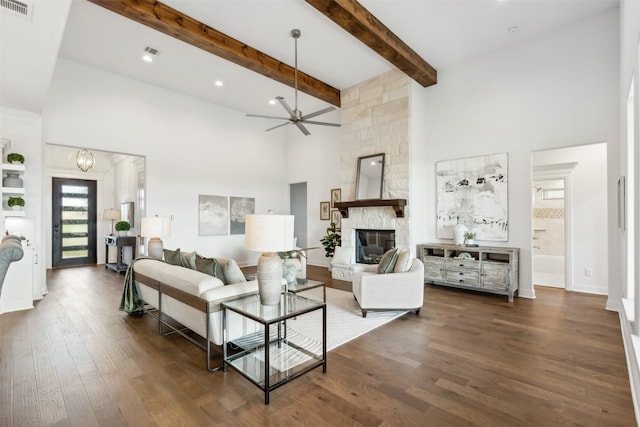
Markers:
point(317, 113)
point(303, 129)
point(311, 122)
point(267, 117)
point(277, 126)
point(285, 106)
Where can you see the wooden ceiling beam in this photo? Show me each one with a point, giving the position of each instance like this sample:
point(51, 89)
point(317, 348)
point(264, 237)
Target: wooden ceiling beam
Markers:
point(169, 21)
point(358, 21)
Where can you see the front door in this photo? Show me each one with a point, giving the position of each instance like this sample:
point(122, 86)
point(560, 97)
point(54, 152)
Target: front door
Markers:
point(74, 222)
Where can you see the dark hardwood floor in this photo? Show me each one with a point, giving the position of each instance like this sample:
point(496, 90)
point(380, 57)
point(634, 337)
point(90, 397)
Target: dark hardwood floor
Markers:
point(470, 359)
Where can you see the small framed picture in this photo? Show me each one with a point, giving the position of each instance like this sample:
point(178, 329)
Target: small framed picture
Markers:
point(336, 218)
point(324, 211)
point(336, 196)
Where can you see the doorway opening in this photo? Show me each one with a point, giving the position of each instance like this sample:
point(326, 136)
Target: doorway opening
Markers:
point(298, 208)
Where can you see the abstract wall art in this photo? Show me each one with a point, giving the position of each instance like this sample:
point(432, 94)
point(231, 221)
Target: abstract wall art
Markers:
point(474, 192)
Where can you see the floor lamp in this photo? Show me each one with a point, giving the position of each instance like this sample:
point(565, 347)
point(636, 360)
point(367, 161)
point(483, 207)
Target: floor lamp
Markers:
point(111, 214)
point(269, 234)
point(155, 228)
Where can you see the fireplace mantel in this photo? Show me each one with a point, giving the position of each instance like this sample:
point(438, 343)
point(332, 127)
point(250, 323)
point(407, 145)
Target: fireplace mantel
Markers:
point(397, 205)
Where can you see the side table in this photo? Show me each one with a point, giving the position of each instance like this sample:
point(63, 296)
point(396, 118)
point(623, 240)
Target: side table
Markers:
point(119, 242)
point(253, 359)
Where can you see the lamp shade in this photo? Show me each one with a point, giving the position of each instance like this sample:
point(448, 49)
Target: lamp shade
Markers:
point(111, 214)
point(155, 227)
point(269, 233)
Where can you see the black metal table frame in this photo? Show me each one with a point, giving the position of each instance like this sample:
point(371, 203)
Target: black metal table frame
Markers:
point(267, 388)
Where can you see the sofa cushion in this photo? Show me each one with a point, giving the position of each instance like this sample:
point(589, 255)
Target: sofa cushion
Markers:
point(232, 273)
point(172, 256)
point(403, 263)
point(183, 259)
point(210, 266)
point(190, 281)
point(388, 261)
point(342, 255)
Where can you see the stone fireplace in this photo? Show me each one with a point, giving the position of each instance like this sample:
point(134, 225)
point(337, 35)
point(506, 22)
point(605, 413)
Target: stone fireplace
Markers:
point(375, 119)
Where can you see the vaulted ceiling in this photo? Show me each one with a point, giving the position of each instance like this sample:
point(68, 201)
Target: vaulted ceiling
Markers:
point(443, 33)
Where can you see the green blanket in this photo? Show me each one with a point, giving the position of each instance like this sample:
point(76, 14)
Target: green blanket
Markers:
point(131, 302)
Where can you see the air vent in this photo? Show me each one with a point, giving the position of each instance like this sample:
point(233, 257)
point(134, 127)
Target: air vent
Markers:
point(17, 8)
point(149, 50)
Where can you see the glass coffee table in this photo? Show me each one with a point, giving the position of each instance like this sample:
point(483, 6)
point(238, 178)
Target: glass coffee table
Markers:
point(305, 285)
point(266, 355)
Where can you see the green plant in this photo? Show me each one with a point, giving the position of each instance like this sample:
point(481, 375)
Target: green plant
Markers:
point(331, 240)
point(15, 157)
point(123, 226)
point(15, 201)
point(299, 251)
point(469, 235)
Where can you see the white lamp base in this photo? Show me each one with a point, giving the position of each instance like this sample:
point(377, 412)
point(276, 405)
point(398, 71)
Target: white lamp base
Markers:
point(155, 248)
point(269, 278)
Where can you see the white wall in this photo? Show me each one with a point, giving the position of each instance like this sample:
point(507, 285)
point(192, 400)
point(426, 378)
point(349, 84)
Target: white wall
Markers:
point(556, 90)
point(192, 147)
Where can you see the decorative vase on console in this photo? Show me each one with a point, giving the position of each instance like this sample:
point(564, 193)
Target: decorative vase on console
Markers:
point(12, 180)
point(458, 234)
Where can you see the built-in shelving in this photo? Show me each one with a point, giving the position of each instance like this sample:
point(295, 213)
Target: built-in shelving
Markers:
point(10, 191)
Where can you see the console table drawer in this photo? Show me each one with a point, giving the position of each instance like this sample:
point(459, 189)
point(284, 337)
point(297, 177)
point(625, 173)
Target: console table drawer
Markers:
point(463, 277)
point(459, 263)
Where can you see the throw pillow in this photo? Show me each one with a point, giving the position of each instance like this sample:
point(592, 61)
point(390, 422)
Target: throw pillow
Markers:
point(342, 255)
point(210, 266)
point(388, 261)
point(172, 257)
point(232, 273)
point(188, 259)
point(404, 261)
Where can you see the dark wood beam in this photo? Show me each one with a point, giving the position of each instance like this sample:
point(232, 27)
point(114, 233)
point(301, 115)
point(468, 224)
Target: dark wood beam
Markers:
point(161, 17)
point(358, 21)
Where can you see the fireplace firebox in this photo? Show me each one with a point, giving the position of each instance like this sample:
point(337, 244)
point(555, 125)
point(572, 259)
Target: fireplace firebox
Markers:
point(372, 244)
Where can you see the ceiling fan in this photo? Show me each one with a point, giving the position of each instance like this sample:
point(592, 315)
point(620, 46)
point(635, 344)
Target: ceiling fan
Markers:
point(295, 115)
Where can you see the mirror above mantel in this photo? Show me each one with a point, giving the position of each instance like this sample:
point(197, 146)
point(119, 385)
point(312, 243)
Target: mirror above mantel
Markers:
point(369, 178)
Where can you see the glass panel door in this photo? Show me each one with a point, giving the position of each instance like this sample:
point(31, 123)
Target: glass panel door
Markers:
point(74, 222)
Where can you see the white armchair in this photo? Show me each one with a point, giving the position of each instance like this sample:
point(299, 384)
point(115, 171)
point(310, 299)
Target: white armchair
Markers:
point(391, 291)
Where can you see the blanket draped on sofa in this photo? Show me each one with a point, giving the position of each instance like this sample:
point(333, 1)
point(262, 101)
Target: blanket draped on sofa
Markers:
point(131, 302)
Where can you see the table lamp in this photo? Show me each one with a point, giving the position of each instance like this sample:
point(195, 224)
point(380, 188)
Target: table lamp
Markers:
point(111, 214)
point(269, 234)
point(155, 228)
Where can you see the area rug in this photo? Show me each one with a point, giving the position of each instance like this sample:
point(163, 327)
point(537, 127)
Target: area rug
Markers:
point(344, 323)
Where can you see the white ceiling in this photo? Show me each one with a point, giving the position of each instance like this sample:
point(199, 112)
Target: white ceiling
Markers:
point(443, 32)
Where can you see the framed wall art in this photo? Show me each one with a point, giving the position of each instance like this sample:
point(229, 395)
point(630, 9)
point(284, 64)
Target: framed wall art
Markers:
point(213, 215)
point(473, 192)
point(324, 211)
point(239, 208)
point(336, 196)
point(336, 218)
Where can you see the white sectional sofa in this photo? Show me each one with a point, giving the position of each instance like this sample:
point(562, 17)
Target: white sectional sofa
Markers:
point(192, 298)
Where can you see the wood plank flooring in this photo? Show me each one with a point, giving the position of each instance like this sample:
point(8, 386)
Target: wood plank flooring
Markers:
point(469, 360)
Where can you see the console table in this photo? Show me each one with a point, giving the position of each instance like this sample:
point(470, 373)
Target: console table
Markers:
point(481, 268)
point(120, 242)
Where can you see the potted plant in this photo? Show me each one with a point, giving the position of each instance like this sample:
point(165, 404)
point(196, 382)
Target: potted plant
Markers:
point(331, 240)
point(468, 237)
point(15, 202)
point(122, 227)
point(15, 158)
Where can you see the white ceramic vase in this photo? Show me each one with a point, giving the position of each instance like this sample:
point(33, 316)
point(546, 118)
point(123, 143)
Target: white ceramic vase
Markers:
point(269, 278)
point(458, 234)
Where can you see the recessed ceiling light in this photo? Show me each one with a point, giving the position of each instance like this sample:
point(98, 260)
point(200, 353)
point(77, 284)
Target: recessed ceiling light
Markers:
point(219, 83)
point(147, 58)
point(272, 101)
point(149, 53)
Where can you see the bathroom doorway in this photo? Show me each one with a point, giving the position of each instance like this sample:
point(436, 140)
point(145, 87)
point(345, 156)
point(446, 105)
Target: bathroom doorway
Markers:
point(548, 250)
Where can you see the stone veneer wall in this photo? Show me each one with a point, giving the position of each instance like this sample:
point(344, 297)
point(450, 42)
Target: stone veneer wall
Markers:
point(375, 119)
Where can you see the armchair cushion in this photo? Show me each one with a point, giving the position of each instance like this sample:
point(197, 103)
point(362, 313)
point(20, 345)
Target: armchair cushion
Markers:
point(388, 261)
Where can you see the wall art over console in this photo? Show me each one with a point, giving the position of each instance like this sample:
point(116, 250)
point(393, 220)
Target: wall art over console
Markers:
point(473, 192)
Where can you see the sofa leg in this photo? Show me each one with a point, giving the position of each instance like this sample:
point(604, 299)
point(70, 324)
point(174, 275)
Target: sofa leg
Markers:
point(364, 313)
point(417, 312)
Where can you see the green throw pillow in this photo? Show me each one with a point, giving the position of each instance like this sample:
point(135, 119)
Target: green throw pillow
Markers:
point(210, 266)
point(188, 259)
point(172, 257)
point(388, 261)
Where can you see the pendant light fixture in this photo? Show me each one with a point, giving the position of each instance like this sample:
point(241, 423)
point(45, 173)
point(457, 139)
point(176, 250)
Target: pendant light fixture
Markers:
point(84, 160)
